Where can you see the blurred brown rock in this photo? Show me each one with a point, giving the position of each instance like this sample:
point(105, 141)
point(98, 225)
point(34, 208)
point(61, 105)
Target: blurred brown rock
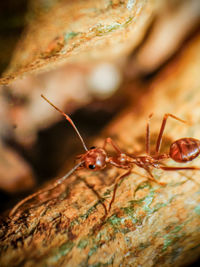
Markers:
point(173, 23)
point(15, 174)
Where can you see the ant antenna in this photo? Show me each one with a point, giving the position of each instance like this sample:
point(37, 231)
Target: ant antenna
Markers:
point(55, 184)
point(70, 121)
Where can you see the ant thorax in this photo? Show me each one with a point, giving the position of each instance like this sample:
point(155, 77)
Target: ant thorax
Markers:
point(123, 159)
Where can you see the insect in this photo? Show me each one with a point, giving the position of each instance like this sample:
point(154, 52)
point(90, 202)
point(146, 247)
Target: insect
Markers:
point(96, 158)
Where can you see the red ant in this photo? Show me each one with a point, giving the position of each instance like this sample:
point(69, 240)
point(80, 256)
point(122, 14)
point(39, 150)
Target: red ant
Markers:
point(96, 158)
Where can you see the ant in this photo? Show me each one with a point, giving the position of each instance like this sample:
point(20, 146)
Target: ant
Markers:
point(96, 158)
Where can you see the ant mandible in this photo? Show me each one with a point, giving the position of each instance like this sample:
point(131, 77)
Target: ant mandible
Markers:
point(96, 158)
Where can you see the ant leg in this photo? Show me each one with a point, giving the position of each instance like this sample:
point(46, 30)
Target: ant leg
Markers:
point(51, 187)
point(159, 140)
point(148, 135)
point(98, 196)
point(166, 168)
point(111, 142)
point(179, 168)
point(19, 204)
point(116, 185)
point(151, 177)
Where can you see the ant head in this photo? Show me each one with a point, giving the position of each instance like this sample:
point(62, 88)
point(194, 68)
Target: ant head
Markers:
point(94, 159)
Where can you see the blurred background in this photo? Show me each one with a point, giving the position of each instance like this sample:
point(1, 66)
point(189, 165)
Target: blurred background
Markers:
point(89, 63)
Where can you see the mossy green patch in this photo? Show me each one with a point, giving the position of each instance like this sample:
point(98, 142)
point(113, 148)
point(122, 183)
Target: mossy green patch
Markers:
point(176, 229)
point(197, 209)
point(173, 236)
point(70, 35)
point(86, 215)
point(167, 242)
point(142, 186)
point(128, 210)
point(107, 193)
point(66, 248)
point(148, 200)
point(83, 243)
point(114, 220)
point(92, 250)
point(158, 206)
point(63, 250)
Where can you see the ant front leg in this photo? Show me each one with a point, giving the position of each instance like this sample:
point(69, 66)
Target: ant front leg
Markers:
point(49, 188)
point(16, 207)
point(159, 140)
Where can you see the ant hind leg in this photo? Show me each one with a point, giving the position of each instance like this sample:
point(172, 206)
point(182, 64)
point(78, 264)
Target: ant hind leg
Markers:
point(166, 168)
point(162, 128)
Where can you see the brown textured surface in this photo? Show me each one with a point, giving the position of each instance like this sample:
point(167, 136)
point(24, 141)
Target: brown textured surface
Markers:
point(80, 30)
point(158, 226)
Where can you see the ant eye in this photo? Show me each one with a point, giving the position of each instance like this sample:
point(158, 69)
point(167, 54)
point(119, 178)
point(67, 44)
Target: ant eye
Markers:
point(92, 167)
point(92, 147)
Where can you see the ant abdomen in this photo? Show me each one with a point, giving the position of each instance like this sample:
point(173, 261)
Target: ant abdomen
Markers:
point(185, 149)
